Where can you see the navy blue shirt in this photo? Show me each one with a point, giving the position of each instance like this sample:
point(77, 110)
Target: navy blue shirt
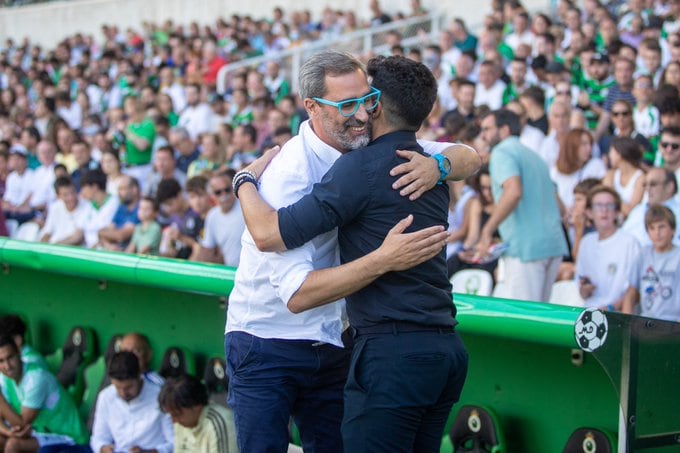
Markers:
point(356, 195)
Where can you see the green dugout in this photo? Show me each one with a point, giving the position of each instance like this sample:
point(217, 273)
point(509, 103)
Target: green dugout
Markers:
point(526, 365)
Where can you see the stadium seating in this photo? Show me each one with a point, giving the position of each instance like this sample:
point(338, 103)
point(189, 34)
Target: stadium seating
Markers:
point(216, 380)
point(589, 440)
point(69, 362)
point(96, 379)
point(177, 361)
point(472, 281)
point(475, 429)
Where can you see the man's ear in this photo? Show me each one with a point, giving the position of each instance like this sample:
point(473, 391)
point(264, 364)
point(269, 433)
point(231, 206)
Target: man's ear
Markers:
point(310, 105)
point(377, 111)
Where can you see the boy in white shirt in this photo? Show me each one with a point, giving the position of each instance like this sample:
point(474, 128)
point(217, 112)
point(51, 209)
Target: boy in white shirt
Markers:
point(606, 255)
point(655, 280)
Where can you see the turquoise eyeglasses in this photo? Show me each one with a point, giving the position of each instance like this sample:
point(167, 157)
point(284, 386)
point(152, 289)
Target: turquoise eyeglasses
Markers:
point(351, 106)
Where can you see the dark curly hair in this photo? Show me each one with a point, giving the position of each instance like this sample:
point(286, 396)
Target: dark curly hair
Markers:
point(408, 88)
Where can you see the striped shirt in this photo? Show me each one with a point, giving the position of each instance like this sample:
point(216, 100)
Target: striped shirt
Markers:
point(214, 433)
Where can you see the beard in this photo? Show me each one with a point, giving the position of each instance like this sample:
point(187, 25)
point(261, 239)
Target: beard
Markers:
point(342, 133)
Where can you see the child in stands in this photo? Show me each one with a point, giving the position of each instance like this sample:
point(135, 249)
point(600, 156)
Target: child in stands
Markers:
point(655, 280)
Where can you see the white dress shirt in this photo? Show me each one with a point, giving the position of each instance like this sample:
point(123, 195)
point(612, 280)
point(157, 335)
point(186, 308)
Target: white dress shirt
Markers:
point(138, 423)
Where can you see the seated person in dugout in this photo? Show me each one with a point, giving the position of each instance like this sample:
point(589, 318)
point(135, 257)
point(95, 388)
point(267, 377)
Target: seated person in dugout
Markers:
point(15, 327)
point(36, 412)
point(127, 416)
point(200, 426)
point(139, 345)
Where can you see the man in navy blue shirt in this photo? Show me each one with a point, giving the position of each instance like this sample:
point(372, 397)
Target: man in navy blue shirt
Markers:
point(408, 365)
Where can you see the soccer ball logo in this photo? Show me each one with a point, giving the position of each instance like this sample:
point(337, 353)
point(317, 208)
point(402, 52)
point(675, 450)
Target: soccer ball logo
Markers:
point(591, 329)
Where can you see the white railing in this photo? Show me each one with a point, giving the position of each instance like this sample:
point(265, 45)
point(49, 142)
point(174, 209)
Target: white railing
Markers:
point(419, 30)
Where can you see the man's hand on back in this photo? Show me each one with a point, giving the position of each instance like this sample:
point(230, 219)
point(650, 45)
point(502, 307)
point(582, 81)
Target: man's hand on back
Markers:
point(419, 174)
point(400, 251)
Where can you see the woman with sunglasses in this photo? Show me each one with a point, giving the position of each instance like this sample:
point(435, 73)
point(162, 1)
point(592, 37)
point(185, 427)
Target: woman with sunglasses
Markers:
point(622, 119)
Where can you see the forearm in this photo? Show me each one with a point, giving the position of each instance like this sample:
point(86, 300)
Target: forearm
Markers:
point(602, 125)
point(328, 285)
point(74, 239)
point(629, 300)
point(465, 161)
point(261, 219)
point(507, 203)
point(7, 413)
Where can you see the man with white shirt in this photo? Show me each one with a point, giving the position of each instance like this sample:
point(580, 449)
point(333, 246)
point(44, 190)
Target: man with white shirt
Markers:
point(558, 122)
point(521, 33)
point(197, 116)
point(280, 363)
point(127, 416)
point(490, 88)
point(43, 187)
point(170, 86)
point(224, 224)
point(66, 216)
point(16, 202)
point(662, 186)
point(104, 205)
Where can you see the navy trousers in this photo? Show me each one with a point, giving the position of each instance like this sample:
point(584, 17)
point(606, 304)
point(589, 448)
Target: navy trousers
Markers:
point(400, 390)
point(271, 380)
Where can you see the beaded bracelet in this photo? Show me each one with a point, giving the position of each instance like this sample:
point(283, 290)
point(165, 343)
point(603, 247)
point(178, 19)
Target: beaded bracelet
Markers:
point(241, 178)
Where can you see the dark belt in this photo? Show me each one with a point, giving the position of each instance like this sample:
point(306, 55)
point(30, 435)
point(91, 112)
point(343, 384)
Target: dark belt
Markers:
point(400, 327)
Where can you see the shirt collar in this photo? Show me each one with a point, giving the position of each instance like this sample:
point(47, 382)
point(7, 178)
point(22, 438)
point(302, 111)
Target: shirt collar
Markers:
point(324, 151)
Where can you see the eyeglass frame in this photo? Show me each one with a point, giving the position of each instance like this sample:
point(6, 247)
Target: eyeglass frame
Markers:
point(357, 102)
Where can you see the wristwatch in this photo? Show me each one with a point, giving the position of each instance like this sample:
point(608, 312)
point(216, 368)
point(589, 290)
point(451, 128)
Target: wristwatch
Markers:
point(444, 165)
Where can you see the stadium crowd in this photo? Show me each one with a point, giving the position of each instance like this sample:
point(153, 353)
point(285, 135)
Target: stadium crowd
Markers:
point(124, 143)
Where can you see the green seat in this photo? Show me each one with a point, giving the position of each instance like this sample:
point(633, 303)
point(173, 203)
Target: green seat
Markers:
point(54, 360)
point(176, 362)
point(476, 429)
point(70, 361)
point(96, 379)
point(589, 440)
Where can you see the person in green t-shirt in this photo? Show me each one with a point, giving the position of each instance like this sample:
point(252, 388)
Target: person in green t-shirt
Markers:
point(139, 134)
point(15, 327)
point(35, 410)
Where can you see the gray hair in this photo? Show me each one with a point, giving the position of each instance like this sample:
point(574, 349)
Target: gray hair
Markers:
point(329, 62)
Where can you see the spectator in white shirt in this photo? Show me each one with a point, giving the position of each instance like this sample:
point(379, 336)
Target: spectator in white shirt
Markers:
point(606, 256)
point(43, 176)
point(224, 224)
point(16, 202)
point(197, 116)
point(127, 416)
point(66, 216)
point(489, 89)
point(104, 206)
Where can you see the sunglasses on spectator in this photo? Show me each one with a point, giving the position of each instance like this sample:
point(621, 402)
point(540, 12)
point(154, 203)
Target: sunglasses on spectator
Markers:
point(654, 183)
point(351, 106)
point(219, 192)
point(670, 145)
point(565, 93)
point(621, 113)
point(611, 207)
